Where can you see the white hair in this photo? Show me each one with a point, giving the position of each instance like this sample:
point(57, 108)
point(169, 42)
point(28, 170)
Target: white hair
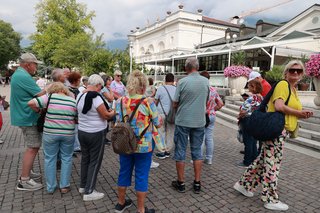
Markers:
point(56, 73)
point(95, 80)
point(192, 63)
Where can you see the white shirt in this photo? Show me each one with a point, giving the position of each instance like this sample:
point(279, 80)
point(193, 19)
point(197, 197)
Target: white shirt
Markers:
point(90, 122)
point(41, 83)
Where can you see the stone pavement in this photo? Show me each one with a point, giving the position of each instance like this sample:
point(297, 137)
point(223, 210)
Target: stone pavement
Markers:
point(299, 184)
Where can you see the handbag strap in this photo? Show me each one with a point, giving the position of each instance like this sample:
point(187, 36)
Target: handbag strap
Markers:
point(132, 115)
point(266, 99)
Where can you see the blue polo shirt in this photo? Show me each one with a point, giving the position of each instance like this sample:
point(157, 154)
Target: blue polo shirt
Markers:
point(192, 93)
point(23, 88)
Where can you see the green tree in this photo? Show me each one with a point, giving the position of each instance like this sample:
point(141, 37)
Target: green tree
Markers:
point(64, 32)
point(9, 44)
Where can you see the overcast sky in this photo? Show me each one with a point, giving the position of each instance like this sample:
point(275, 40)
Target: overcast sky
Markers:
point(115, 18)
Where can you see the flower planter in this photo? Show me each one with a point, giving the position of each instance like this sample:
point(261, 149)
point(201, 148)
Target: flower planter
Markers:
point(316, 82)
point(237, 84)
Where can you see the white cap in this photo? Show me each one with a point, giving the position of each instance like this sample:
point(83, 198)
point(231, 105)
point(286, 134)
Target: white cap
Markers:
point(253, 75)
point(29, 58)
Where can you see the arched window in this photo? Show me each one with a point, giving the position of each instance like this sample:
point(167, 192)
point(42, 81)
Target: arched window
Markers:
point(142, 51)
point(161, 46)
point(150, 49)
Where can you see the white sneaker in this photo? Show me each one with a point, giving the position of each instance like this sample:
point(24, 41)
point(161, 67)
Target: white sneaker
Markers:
point(81, 190)
point(1, 141)
point(279, 206)
point(93, 196)
point(242, 190)
point(28, 185)
point(154, 164)
point(34, 175)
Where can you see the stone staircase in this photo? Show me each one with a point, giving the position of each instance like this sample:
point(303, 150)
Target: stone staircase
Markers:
point(309, 132)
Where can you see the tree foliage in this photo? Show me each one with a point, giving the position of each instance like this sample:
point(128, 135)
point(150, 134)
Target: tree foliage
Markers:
point(65, 38)
point(63, 29)
point(9, 44)
point(238, 58)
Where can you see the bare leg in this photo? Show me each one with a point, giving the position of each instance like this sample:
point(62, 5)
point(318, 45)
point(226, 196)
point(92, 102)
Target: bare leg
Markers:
point(180, 170)
point(197, 166)
point(141, 196)
point(122, 194)
point(28, 159)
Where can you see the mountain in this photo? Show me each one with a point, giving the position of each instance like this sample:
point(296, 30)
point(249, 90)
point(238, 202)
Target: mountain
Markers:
point(120, 44)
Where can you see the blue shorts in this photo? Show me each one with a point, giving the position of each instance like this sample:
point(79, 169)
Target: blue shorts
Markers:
point(141, 163)
point(181, 135)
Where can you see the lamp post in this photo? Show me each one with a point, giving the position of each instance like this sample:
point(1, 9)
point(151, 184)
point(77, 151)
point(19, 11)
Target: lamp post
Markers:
point(231, 46)
point(130, 53)
point(131, 40)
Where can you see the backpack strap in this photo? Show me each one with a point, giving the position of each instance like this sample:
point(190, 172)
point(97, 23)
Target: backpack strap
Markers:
point(79, 98)
point(168, 93)
point(162, 108)
point(265, 101)
point(134, 111)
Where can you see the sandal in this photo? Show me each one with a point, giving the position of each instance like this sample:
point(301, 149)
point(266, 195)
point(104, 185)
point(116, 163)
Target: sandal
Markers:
point(65, 190)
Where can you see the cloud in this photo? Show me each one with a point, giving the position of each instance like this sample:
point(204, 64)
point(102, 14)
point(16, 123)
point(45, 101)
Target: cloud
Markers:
point(115, 18)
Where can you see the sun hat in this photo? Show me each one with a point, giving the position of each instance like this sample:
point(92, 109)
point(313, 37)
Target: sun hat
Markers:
point(253, 75)
point(29, 58)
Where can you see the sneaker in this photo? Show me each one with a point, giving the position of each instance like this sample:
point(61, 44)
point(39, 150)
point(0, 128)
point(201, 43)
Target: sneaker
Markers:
point(28, 185)
point(81, 190)
point(208, 161)
point(1, 141)
point(120, 208)
point(93, 196)
point(167, 154)
point(180, 187)
point(196, 187)
point(154, 164)
point(146, 210)
point(242, 190)
point(279, 206)
point(34, 175)
point(161, 155)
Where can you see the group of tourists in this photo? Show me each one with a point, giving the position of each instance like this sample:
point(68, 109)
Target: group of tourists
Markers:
point(77, 118)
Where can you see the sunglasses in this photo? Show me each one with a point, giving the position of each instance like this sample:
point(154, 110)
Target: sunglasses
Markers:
point(292, 71)
point(119, 75)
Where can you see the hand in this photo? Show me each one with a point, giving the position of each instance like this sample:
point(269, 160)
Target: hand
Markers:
point(306, 114)
point(242, 114)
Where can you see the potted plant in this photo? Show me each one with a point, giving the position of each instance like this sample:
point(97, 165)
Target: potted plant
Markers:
point(313, 70)
point(275, 74)
point(237, 77)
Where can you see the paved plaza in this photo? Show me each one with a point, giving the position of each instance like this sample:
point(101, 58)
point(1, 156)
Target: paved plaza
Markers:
point(299, 184)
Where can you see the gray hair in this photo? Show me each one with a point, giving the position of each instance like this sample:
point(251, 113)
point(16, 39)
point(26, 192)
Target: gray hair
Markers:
point(56, 73)
point(292, 63)
point(117, 72)
point(95, 79)
point(192, 63)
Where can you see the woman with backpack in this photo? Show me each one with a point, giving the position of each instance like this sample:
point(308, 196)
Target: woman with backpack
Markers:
point(145, 120)
point(266, 167)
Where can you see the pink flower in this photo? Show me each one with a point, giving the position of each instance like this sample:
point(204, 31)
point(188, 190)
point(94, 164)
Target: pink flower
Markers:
point(236, 71)
point(313, 66)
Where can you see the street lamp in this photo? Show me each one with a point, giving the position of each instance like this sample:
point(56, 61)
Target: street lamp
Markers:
point(131, 40)
point(231, 46)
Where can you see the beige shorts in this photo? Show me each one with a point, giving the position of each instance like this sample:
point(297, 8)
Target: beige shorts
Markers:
point(31, 136)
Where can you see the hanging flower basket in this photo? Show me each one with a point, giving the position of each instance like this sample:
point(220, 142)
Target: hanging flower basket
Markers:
point(313, 66)
point(236, 71)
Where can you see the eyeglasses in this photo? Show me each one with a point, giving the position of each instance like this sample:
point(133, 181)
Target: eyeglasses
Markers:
point(293, 70)
point(118, 75)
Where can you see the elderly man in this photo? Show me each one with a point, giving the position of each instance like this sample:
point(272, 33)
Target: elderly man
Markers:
point(265, 85)
point(190, 100)
point(23, 89)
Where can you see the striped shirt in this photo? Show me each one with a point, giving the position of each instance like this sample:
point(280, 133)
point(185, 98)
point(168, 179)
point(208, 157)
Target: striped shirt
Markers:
point(60, 117)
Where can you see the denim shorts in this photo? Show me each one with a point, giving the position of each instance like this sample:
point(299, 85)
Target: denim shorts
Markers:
point(31, 136)
point(181, 136)
point(141, 162)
